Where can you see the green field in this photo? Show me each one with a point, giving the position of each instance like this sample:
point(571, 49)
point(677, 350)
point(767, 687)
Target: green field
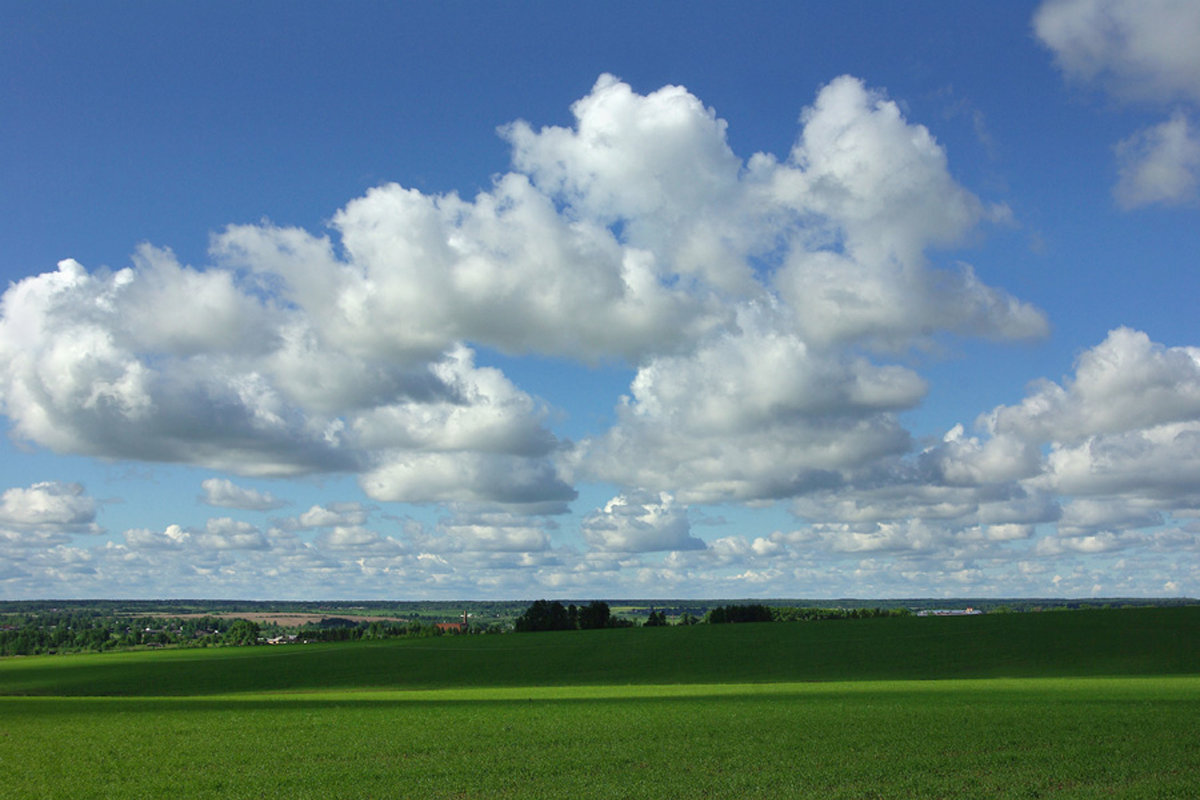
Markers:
point(1063, 704)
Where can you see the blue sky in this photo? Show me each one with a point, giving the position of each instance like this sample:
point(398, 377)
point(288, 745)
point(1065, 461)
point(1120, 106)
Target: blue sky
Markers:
point(370, 300)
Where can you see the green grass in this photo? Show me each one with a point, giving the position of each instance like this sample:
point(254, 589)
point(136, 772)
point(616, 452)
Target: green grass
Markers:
point(1063, 705)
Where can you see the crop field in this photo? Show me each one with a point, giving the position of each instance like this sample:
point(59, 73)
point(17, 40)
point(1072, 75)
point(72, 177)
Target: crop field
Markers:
point(1063, 705)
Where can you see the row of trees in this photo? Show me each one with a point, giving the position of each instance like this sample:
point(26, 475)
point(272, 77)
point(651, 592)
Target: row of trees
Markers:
point(72, 632)
point(762, 613)
point(751, 613)
point(75, 632)
point(545, 615)
point(336, 629)
point(50, 631)
point(813, 614)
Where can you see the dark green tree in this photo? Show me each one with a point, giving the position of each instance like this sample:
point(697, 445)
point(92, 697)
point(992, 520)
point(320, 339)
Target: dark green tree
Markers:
point(544, 615)
point(595, 614)
point(748, 613)
point(242, 632)
point(657, 619)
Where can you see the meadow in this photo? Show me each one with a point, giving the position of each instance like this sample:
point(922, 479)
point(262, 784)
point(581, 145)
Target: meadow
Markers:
point(1098, 703)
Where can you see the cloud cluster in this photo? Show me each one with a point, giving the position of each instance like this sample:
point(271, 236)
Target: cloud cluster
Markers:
point(771, 309)
point(1109, 455)
point(1139, 51)
point(773, 403)
point(637, 236)
point(161, 362)
point(222, 533)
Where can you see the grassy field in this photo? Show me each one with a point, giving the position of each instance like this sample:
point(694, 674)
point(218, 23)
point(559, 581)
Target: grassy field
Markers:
point(1064, 704)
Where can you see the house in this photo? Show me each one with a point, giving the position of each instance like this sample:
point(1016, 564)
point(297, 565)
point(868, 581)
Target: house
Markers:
point(454, 627)
point(948, 612)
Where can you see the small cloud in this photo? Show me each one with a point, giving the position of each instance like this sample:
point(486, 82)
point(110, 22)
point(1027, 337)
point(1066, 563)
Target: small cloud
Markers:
point(173, 538)
point(1160, 164)
point(218, 534)
point(333, 515)
point(225, 493)
point(640, 523)
point(352, 537)
point(495, 531)
point(49, 505)
point(229, 534)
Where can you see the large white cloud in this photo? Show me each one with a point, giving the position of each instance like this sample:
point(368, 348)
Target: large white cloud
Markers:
point(76, 378)
point(508, 270)
point(1118, 441)
point(1107, 461)
point(750, 416)
point(1126, 383)
point(659, 166)
point(873, 194)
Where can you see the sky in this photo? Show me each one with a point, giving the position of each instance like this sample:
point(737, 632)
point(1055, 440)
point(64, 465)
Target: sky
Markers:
point(599, 300)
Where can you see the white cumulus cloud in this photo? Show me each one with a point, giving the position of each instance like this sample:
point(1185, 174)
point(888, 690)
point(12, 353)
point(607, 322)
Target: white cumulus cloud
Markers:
point(638, 523)
point(49, 505)
point(224, 492)
point(763, 302)
point(1159, 165)
point(753, 415)
point(1137, 49)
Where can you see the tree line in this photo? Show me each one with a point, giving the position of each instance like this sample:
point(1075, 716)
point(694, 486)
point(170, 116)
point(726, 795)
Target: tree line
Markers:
point(74, 632)
point(546, 615)
point(82, 631)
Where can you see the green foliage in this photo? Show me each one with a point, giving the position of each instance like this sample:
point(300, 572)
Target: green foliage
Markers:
point(544, 615)
point(243, 632)
point(813, 614)
point(657, 619)
point(73, 631)
point(748, 613)
point(595, 614)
